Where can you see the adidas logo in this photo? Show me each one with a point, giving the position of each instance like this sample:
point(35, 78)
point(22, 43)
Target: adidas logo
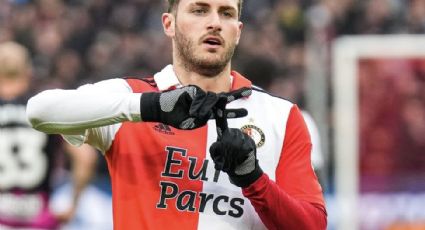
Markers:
point(165, 129)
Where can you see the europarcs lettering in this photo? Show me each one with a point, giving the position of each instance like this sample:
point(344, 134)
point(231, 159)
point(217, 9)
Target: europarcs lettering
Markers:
point(185, 200)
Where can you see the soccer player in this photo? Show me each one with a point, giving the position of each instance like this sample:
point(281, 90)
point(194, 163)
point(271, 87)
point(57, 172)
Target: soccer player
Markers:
point(27, 156)
point(171, 166)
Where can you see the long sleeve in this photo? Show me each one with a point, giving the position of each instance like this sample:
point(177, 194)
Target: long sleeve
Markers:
point(295, 200)
point(71, 112)
point(278, 210)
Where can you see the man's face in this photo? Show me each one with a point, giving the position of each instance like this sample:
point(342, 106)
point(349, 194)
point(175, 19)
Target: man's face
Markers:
point(206, 34)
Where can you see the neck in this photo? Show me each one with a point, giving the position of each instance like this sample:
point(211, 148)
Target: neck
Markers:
point(217, 83)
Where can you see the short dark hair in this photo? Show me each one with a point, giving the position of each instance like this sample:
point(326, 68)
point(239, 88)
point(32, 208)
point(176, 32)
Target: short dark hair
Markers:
point(172, 5)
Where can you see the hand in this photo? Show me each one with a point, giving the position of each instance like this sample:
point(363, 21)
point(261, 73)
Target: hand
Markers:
point(188, 107)
point(66, 216)
point(220, 112)
point(234, 152)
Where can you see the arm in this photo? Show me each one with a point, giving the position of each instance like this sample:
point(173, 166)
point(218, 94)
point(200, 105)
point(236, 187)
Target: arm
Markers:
point(71, 112)
point(83, 162)
point(295, 200)
point(278, 210)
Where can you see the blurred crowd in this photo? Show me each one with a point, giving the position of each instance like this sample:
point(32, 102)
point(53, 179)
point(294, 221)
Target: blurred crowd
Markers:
point(73, 42)
point(78, 41)
point(392, 125)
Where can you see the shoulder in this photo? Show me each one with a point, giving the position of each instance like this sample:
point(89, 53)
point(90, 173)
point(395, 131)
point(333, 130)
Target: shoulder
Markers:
point(139, 85)
point(270, 108)
point(260, 93)
point(122, 85)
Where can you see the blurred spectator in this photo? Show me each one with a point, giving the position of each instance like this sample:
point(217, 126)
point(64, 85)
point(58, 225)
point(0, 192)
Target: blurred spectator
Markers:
point(115, 38)
point(380, 17)
point(416, 17)
point(392, 124)
point(291, 21)
point(27, 157)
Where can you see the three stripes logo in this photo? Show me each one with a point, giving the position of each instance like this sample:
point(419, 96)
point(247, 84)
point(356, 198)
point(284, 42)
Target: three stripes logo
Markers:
point(162, 128)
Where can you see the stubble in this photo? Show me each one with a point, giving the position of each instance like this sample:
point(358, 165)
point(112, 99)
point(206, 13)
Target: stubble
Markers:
point(193, 62)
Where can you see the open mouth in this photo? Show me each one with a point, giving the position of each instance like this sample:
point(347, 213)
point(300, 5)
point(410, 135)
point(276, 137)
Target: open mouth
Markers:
point(213, 41)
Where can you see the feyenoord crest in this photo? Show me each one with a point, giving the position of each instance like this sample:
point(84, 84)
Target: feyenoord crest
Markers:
point(255, 133)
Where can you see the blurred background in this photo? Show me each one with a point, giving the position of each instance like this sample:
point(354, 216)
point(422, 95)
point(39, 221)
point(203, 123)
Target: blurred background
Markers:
point(286, 48)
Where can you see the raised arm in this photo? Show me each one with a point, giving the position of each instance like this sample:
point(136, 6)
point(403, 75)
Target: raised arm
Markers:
point(294, 200)
point(71, 112)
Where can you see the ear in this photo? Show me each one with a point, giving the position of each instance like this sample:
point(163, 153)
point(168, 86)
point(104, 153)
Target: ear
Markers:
point(168, 23)
point(238, 36)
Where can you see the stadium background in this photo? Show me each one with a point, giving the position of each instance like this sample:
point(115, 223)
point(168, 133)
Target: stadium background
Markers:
point(286, 48)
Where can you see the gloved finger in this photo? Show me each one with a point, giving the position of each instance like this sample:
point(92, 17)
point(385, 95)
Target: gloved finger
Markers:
point(194, 91)
point(215, 150)
point(219, 164)
point(202, 105)
point(233, 113)
point(236, 113)
point(237, 94)
point(220, 115)
point(216, 155)
point(188, 124)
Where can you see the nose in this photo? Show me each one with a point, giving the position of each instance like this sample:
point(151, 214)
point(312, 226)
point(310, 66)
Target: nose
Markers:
point(214, 22)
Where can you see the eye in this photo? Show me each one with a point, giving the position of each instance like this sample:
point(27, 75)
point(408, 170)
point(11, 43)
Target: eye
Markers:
point(228, 14)
point(199, 11)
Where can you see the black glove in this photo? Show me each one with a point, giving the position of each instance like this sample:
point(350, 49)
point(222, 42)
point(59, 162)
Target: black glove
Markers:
point(234, 152)
point(188, 107)
point(220, 112)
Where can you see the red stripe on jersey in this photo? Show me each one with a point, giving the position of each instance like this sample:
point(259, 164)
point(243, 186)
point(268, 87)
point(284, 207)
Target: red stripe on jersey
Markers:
point(295, 201)
point(149, 164)
point(295, 173)
point(142, 85)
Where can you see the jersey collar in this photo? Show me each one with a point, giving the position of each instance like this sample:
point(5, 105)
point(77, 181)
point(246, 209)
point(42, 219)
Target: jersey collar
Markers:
point(167, 79)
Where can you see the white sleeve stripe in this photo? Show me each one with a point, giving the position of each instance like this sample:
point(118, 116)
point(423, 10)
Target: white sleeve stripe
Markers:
point(90, 114)
point(72, 111)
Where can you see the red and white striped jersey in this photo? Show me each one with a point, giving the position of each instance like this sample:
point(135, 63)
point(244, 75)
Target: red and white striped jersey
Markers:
point(164, 178)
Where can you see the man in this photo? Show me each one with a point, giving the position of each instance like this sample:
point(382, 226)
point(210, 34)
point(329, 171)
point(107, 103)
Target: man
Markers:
point(156, 134)
point(27, 157)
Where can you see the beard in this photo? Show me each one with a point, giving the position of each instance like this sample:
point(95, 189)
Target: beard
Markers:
point(206, 66)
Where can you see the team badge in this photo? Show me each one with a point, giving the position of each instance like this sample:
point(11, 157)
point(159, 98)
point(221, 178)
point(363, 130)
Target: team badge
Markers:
point(255, 133)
